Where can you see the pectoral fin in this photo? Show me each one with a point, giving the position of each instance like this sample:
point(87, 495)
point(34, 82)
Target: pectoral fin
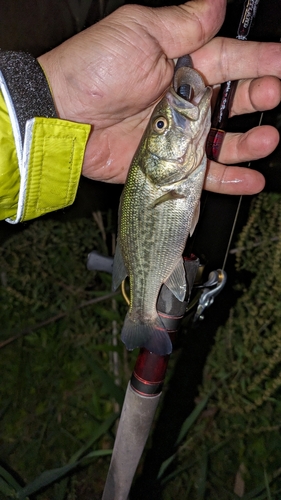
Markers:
point(119, 272)
point(171, 195)
point(177, 281)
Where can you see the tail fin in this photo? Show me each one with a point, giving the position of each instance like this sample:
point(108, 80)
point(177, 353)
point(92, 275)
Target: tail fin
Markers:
point(153, 336)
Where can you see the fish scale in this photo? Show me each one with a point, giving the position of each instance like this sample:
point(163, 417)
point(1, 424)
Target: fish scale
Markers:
point(158, 209)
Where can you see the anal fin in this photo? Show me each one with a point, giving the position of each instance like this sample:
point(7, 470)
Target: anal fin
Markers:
point(177, 281)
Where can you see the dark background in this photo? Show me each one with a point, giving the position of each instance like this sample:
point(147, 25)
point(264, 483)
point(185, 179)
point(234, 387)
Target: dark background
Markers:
point(38, 26)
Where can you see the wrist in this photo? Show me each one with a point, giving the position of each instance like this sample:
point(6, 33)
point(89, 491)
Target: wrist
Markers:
point(49, 151)
point(52, 72)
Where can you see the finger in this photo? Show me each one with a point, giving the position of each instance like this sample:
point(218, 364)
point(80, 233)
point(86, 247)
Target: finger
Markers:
point(254, 144)
point(233, 180)
point(237, 148)
point(178, 29)
point(260, 94)
point(224, 59)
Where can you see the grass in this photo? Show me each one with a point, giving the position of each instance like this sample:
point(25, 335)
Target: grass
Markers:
point(59, 396)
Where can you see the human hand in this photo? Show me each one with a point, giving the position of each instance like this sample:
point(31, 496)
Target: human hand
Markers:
point(112, 74)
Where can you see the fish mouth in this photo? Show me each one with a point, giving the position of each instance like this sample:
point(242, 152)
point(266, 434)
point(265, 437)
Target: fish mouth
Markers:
point(194, 110)
point(186, 76)
point(197, 105)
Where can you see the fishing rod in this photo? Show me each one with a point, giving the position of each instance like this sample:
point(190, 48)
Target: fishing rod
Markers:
point(228, 89)
point(142, 397)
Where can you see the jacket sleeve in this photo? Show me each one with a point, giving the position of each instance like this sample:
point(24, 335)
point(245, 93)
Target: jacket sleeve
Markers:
point(41, 156)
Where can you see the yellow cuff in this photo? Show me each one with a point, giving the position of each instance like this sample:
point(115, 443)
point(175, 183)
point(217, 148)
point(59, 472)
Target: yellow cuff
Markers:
point(51, 166)
point(54, 167)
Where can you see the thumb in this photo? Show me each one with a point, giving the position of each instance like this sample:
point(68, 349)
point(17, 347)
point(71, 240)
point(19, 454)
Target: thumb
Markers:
point(181, 29)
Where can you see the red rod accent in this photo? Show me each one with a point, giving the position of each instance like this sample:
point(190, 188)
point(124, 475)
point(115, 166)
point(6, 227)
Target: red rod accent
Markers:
point(151, 367)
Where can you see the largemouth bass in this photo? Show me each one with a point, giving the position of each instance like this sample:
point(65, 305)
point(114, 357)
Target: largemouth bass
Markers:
point(159, 208)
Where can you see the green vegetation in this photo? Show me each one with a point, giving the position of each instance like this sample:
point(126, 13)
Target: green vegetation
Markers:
point(61, 385)
point(233, 450)
point(64, 370)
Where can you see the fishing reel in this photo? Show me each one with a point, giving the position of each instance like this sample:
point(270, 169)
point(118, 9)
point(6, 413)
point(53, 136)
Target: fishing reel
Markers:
point(205, 293)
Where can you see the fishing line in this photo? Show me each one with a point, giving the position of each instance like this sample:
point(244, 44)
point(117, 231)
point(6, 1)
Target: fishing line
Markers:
point(236, 214)
point(231, 233)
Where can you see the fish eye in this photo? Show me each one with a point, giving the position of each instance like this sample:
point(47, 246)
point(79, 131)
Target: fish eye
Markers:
point(160, 124)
